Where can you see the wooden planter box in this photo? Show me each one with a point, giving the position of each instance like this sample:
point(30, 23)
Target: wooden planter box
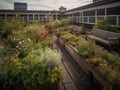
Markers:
point(97, 78)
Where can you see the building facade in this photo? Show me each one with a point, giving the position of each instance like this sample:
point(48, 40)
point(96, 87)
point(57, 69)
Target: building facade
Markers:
point(20, 6)
point(29, 15)
point(88, 15)
point(85, 16)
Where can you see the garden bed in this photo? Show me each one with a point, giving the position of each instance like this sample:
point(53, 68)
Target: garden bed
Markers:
point(27, 60)
point(97, 78)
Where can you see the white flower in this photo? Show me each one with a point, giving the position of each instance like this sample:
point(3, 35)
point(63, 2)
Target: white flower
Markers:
point(20, 42)
point(29, 40)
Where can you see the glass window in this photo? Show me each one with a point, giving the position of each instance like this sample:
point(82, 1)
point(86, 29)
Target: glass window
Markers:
point(119, 20)
point(112, 20)
point(2, 16)
point(85, 19)
point(31, 17)
point(100, 18)
point(101, 12)
point(92, 19)
point(23, 17)
point(36, 17)
point(77, 19)
point(74, 19)
point(80, 19)
point(10, 16)
point(42, 18)
point(89, 13)
point(113, 11)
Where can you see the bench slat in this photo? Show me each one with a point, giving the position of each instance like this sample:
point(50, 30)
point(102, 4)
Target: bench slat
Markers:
point(105, 37)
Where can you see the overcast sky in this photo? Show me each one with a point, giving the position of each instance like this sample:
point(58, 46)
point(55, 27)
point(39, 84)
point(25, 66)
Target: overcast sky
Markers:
point(45, 4)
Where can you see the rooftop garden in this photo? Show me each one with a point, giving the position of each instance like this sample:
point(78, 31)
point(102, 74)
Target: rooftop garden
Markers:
point(28, 56)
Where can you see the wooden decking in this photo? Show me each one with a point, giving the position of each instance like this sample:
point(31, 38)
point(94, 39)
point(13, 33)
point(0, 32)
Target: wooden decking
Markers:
point(74, 77)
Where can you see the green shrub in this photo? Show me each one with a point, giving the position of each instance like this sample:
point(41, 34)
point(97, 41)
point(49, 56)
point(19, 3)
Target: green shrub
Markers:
point(19, 44)
point(67, 21)
point(54, 24)
point(88, 48)
point(95, 61)
point(111, 74)
point(112, 59)
point(33, 31)
point(8, 26)
point(105, 25)
point(45, 43)
point(41, 67)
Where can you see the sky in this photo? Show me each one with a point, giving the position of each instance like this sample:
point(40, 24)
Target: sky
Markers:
point(45, 4)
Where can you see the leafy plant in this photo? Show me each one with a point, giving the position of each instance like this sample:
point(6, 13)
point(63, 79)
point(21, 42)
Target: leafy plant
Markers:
point(66, 21)
point(105, 25)
point(45, 43)
point(53, 24)
point(33, 31)
point(95, 61)
point(39, 68)
point(45, 64)
point(111, 74)
point(8, 26)
point(19, 43)
point(88, 48)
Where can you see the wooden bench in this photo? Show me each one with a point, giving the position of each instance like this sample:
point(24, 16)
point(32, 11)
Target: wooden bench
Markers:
point(111, 39)
point(76, 29)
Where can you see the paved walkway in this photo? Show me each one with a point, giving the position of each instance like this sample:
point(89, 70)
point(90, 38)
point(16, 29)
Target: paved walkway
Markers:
point(74, 77)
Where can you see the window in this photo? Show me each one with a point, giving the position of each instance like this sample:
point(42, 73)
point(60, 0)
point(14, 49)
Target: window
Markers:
point(80, 19)
point(2, 16)
point(119, 20)
point(100, 18)
point(30, 17)
point(77, 19)
point(10, 16)
point(92, 19)
point(112, 20)
point(113, 11)
point(23, 17)
point(85, 19)
point(89, 13)
point(36, 17)
point(101, 12)
point(74, 18)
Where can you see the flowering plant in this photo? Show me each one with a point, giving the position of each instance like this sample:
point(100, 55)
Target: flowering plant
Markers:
point(40, 67)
